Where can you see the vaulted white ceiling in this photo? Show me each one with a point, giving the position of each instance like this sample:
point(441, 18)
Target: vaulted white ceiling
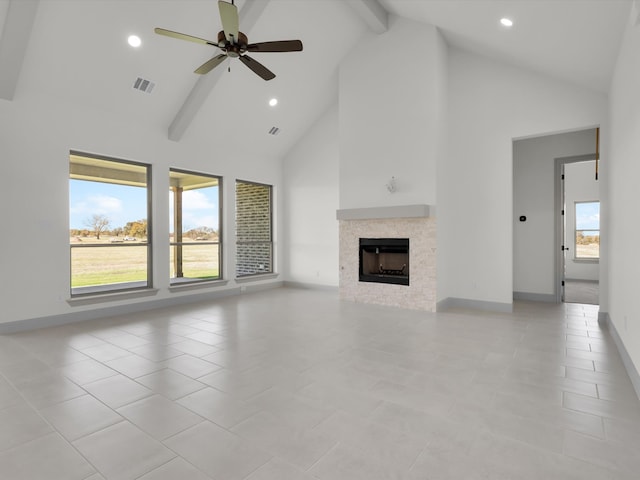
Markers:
point(573, 40)
point(77, 52)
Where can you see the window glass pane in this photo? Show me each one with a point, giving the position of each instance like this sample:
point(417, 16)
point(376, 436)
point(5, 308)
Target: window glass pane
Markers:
point(588, 216)
point(254, 249)
point(199, 261)
point(94, 266)
point(253, 258)
point(108, 228)
point(587, 230)
point(194, 222)
point(587, 244)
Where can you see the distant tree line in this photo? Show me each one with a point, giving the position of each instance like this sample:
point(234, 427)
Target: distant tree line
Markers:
point(582, 239)
point(99, 225)
point(201, 233)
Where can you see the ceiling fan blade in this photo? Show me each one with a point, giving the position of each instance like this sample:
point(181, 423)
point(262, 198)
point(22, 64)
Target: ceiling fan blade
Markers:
point(209, 65)
point(257, 68)
point(280, 46)
point(230, 21)
point(184, 36)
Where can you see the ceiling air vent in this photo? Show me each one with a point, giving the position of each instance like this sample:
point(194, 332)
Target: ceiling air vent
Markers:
point(143, 85)
point(274, 131)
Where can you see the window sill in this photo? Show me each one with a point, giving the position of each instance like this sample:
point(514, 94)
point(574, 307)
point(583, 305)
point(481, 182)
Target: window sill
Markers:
point(91, 299)
point(256, 278)
point(181, 287)
point(586, 260)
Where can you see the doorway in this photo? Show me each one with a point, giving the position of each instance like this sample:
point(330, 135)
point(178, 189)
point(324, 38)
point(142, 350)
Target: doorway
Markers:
point(578, 230)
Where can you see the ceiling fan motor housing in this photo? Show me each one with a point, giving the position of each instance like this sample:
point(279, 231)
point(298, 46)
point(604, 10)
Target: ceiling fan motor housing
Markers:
point(233, 50)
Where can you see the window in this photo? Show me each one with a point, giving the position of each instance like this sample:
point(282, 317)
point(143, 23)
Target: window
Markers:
point(587, 230)
point(254, 246)
point(109, 231)
point(194, 204)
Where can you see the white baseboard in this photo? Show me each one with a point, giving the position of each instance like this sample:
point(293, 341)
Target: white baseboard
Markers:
point(74, 317)
point(311, 286)
point(535, 297)
point(604, 320)
point(451, 302)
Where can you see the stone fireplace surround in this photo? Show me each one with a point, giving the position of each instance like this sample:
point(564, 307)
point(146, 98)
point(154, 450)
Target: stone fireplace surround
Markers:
point(414, 222)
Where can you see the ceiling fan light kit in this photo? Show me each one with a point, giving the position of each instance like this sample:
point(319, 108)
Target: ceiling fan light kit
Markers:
point(235, 44)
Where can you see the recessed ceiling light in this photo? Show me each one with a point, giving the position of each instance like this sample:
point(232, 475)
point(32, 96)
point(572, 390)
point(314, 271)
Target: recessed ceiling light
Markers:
point(506, 22)
point(273, 102)
point(134, 41)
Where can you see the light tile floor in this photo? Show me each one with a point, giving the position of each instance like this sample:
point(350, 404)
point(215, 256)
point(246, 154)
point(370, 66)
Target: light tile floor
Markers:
point(293, 384)
point(582, 291)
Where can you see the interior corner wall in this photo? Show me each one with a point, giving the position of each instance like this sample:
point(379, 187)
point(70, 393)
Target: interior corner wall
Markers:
point(388, 103)
point(534, 241)
point(622, 173)
point(36, 134)
point(490, 104)
point(310, 204)
point(442, 87)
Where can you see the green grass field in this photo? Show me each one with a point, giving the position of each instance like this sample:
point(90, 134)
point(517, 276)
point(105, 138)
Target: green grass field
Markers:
point(122, 262)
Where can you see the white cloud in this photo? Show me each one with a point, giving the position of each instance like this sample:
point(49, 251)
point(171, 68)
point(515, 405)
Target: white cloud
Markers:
point(105, 205)
point(198, 210)
point(587, 221)
point(79, 208)
point(193, 220)
point(98, 204)
point(194, 200)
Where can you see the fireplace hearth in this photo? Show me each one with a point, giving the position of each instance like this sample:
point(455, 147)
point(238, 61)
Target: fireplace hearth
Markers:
point(384, 260)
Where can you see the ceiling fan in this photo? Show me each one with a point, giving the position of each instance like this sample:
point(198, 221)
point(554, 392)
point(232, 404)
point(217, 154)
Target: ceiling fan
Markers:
point(235, 44)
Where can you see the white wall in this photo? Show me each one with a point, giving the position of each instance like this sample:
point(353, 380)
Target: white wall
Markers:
point(391, 106)
point(580, 185)
point(491, 104)
point(310, 204)
point(622, 173)
point(534, 195)
point(36, 134)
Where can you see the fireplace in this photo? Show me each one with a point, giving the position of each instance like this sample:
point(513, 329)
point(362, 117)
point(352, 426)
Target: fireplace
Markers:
point(414, 226)
point(384, 260)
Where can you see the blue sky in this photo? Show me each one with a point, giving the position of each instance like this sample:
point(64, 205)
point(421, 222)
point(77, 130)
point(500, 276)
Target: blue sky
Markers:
point(122, 204)
point(588, 216)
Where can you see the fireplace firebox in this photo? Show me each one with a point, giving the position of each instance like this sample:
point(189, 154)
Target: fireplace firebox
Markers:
point(384, 260)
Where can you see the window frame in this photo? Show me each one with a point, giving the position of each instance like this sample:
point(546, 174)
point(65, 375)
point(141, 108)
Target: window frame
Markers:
point(271, 270)
point(173, 282)
point(93, 290)
point(576, 230)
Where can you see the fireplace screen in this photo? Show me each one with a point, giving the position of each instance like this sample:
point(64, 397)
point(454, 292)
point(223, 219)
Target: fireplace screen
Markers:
point(384, 260)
